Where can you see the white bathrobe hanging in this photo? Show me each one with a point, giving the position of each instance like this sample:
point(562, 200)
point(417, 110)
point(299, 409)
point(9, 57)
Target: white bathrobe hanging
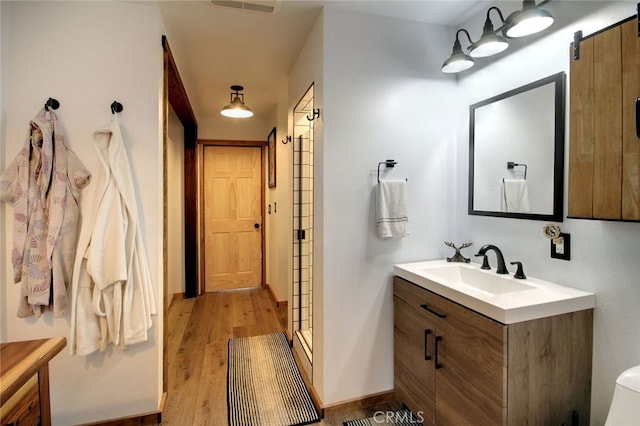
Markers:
point(112, 298)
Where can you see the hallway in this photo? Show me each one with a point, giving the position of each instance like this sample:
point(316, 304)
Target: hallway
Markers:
point(198, 335)
point(199, 330)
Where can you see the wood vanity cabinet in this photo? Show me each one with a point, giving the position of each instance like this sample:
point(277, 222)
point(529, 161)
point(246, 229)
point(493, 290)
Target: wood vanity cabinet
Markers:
point(454, 366)
point(604, 151)
point(25, 409)
point(24, 381)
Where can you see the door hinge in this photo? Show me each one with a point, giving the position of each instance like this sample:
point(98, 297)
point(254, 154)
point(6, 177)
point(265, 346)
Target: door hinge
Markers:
point(301, 234)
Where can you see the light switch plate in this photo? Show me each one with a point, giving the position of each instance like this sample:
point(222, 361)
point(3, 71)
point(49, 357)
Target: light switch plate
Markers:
point(562, 251)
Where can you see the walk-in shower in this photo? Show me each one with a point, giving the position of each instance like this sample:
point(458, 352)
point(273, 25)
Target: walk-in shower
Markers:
point(303, 117)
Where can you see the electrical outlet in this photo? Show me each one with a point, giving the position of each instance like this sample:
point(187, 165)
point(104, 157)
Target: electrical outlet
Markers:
point(563, 249)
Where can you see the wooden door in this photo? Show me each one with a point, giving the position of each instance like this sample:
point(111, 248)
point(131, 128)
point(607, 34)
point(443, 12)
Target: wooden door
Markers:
point(232, 217)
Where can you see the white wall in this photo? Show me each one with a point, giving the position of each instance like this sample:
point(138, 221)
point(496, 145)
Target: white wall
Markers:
point(383, 97)
point(175, 201)
point(604, 255)
point(308, 69)
point(87, 54)
point(279, 222)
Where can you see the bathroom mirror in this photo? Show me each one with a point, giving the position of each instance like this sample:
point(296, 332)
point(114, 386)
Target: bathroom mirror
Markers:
point(516, 152)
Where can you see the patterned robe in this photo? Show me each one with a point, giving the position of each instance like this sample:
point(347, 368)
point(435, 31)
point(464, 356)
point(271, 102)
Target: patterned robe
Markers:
point(43, 184)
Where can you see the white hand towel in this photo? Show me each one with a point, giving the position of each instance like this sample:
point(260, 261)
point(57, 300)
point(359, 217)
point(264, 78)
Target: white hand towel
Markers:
point(515, 196)
point(392, 209)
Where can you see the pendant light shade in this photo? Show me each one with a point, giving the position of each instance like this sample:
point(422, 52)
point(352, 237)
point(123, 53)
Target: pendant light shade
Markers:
point(237, 108)
point(490, 43)
point(458, 61)
point(528, 21)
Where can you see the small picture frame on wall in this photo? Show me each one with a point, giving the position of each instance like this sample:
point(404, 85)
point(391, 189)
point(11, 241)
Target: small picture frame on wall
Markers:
point(271, 148)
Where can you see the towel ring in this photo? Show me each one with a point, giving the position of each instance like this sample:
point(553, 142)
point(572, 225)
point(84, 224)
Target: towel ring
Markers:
point(387, 163)
point(511, 165)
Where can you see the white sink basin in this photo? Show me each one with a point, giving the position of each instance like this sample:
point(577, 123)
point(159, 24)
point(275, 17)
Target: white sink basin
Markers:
point(501, 297)
point(456, 274)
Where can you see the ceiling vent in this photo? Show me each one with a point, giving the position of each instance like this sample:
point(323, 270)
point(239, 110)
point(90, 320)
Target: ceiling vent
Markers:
point(262, 6)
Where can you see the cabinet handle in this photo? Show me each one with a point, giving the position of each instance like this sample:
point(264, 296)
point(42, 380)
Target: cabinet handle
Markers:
point(427, 357)
point(428, 309)
point(438, 340)
point(638, 117)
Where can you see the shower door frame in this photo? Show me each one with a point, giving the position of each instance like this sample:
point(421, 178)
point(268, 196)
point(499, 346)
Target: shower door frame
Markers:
point(303, 223)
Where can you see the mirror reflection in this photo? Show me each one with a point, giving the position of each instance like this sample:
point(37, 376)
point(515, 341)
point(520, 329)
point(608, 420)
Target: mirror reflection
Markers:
point(516, 152)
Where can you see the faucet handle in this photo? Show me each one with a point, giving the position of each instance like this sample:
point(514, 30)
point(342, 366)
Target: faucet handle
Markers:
point(485, 261)
point(519, 271)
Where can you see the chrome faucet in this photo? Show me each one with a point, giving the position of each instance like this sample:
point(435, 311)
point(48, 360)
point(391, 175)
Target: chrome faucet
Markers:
point(502, 268)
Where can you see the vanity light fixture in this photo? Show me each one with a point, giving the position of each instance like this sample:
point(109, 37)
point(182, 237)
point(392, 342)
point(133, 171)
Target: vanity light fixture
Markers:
point(237, 108)
point(530, 20)
point(490, 43)
point(458, 61)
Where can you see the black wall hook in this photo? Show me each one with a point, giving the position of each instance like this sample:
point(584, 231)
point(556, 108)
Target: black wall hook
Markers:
point(315, 113)
point(287, 140)
point(116, 107)
point(51, 103)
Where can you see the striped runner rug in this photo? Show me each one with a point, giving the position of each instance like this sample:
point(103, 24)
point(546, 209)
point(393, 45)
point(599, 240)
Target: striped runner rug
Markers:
point(265, 387)
point(402, 417)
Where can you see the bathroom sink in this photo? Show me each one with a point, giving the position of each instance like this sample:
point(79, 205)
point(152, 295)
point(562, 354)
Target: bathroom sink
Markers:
point(478, 279)
point(498, 296)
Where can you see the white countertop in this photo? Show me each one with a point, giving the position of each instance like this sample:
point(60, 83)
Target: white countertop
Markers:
point(515, 300)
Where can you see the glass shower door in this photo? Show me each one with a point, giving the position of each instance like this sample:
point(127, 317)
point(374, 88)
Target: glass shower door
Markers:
point(303, 221)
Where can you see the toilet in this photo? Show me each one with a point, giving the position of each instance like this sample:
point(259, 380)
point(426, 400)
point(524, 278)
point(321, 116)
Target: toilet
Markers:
point(625, 406)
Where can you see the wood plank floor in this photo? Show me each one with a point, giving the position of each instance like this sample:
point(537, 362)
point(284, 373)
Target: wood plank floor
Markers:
point(199, 330)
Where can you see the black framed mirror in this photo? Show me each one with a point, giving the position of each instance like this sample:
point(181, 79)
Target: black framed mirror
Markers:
point(516, 152)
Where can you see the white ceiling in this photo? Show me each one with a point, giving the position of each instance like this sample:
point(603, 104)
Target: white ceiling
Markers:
point(216, 47)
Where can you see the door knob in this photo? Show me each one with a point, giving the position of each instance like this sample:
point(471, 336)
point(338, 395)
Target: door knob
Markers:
point(256, 225)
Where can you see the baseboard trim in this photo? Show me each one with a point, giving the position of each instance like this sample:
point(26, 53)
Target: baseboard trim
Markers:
point(176, 296)
point(361, 403)
point(145, 419)
point(273, 297)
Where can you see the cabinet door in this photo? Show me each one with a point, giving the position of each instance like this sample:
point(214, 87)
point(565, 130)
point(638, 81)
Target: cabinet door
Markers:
point(595, 159)
point(604, 163)
point(471, 383)
point(414, 375)
point(630, 140)
point(581, 133)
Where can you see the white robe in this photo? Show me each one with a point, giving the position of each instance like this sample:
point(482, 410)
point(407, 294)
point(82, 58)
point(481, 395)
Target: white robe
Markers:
point(112, 295)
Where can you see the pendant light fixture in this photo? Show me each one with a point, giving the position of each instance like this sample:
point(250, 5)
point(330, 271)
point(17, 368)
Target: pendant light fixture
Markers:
point(490, 43)
point(458, 61)
point(237, 108)
point(530, 20)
